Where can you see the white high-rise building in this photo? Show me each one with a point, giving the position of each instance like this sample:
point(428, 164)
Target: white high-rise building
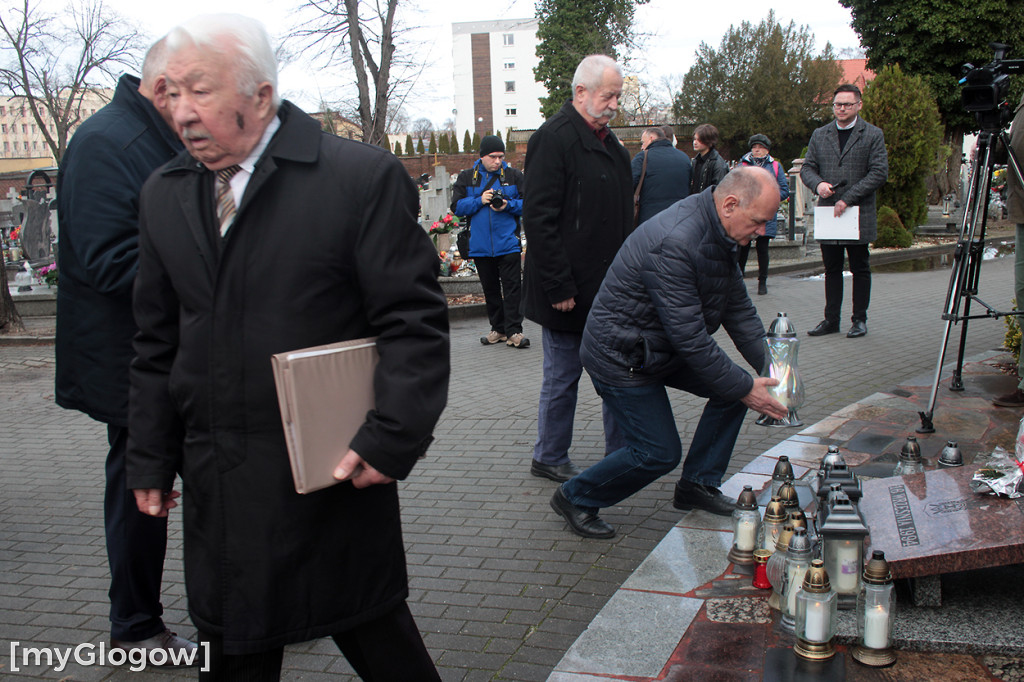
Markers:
point(495, 89)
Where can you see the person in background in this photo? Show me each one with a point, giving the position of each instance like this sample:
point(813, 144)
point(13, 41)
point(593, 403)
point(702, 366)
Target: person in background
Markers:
point(577, 212)
point(98, 184)
point(1015, 206)
point(846, 164)
point(488, 196)
point(708, 166)
point(666, 174)
point(760, 146)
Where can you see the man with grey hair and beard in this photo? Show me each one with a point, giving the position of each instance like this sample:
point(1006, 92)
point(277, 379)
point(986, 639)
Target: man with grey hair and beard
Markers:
point(577, 212)
point(268, 235)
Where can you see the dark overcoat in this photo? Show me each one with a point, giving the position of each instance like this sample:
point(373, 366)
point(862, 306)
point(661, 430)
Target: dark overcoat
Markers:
point(667, 179)
point(577, 212)
point(325, 247)
point(863, 165)
point(109, 157)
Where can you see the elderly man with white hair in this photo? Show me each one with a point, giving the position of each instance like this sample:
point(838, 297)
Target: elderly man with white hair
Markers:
point(577, 212)
point(268, 235)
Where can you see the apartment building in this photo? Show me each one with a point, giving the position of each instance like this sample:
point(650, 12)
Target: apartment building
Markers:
point(20, 136)
point(495, 88)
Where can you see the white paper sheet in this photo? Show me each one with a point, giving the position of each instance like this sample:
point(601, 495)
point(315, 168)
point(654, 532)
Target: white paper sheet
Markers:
point(827, 226)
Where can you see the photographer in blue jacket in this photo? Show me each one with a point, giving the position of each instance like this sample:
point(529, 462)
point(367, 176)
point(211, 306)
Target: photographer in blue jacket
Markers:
point(488, 196)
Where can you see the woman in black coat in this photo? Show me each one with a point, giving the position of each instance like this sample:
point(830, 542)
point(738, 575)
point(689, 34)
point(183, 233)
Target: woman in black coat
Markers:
point(708, 166)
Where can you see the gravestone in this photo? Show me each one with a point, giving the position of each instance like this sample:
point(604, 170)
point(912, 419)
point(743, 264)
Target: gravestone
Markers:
point(933, 523)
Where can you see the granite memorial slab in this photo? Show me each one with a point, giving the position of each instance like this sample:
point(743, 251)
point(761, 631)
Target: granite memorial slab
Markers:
point(933, 523)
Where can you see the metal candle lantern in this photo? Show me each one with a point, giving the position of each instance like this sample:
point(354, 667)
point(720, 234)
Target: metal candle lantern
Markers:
point(951, 455)
point(842, 536)
point(798, 558)
point(783, 472)
point(780, 349)
point(771, 526)
point(910, 458)
point(745, 524)
point(815, 615)
point(788, 496)
point(876, 605)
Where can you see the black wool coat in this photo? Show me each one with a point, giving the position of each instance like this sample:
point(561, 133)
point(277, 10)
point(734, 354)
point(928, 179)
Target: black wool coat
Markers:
point(578, 209)
point(325, 247)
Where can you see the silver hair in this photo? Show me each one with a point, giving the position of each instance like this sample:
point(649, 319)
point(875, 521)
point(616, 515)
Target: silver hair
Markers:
point(155, 62)
point(591, 70)
point(240, 38)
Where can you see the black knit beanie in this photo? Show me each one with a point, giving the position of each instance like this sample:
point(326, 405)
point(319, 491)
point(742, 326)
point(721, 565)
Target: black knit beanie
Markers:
point(491, 144)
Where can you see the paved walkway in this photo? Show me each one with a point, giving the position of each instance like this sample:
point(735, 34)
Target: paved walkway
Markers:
point(500, 588)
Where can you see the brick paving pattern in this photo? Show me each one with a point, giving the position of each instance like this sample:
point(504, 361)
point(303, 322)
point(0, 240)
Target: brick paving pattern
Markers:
point(500, 588)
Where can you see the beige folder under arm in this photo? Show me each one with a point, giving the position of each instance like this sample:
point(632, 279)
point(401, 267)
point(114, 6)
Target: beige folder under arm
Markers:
point(325, 393)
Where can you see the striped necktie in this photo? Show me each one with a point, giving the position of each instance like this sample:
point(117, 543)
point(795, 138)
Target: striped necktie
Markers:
point(225, 198)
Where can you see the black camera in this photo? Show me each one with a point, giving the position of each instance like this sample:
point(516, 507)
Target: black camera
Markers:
point(497, 199)
point(985, 88)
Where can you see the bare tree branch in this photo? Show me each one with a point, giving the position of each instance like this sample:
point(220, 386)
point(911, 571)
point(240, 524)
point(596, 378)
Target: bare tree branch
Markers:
point(52, 64)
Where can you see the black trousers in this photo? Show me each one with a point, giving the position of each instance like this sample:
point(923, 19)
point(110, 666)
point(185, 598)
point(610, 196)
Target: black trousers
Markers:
point(502, 282)
point(388, 649)
point(860, 267)
point(136, 544)
point(761, 244)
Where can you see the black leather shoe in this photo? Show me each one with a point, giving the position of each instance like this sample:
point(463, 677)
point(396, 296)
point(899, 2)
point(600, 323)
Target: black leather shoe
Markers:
point(176, 651)
point(696, 496)
point(581, 522)
point(559, 473)
point(859, 328)
point(762, 288)
point(824, 327)
point(1015, 399)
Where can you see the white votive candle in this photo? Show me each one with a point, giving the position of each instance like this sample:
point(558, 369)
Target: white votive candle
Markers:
point(876, 627)
point(746, 535)
point(848, 567)
point(814, 624)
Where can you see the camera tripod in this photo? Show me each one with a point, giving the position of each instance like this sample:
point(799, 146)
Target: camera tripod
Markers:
point(967, 259)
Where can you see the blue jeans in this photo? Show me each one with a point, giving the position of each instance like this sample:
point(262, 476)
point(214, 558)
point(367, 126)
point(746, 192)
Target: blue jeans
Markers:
point(558, 390)
point(652, 445)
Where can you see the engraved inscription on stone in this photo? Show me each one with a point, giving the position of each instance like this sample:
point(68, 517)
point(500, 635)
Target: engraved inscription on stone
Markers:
point(947, 507)
point(903, 515)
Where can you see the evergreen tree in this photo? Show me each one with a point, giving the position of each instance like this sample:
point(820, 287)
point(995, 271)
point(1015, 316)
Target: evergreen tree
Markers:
point(442, 143)
point(454, 143)
point(419, 147)
point(476, 143)
point(467, 144)
point(569, 30)
point(904, 108)
point(398, 148)
point(764, 78)
point(409, 149)
point(432, 149)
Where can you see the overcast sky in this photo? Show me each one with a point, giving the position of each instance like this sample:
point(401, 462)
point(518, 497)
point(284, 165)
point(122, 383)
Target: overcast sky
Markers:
point(673, 29)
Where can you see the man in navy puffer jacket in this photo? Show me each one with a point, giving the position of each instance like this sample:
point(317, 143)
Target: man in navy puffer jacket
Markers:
point(674, 282)
point(494, 238)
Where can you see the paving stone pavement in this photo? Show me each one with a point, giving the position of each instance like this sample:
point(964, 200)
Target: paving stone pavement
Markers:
point(499, 586)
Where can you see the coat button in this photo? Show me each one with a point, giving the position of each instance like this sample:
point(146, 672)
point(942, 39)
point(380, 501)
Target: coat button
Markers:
point(603, 177)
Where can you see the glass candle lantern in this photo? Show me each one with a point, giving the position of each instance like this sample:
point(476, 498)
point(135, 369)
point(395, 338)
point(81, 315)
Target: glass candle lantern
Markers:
point(781, 346)
point(876, 605)
point(815, 615)
point(783, 471)
point(798, 558)
point(745, 524)
point(951, 455)
point(772, 524)
point(776, 568)
point(788, 496)
point(842, 539)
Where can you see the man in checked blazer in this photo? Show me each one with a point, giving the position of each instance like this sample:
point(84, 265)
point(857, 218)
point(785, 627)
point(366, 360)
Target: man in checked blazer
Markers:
point(845, 165)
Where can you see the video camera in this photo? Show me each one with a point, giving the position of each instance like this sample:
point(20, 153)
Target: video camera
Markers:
point(985, 88)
